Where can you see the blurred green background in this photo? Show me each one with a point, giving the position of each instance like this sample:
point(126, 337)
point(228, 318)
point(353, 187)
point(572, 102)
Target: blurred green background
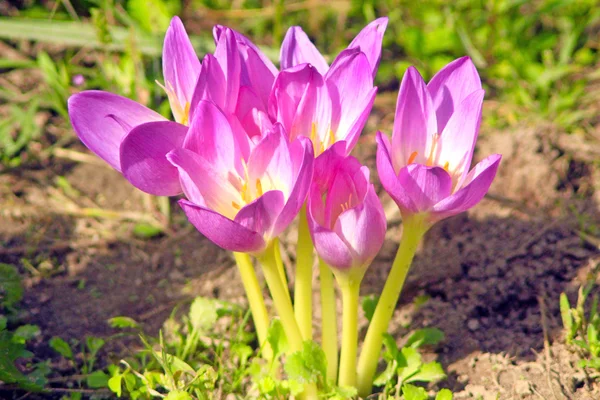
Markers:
point(538, 59)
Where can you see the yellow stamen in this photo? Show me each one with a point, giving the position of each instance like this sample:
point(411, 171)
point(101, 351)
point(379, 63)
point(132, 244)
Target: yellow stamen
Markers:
point(186, 114)
point(259, 188)
point(235, 205)
point(447, 166)
point(412, 157)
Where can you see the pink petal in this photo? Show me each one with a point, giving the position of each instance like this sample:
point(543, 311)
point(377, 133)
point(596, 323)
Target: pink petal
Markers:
point(261, 215)
point(424, 186)
point(341, 192)
point(271, 157)
point(181, 66)
point(363, 228)
point(302, 156)
point(211, 136)
point(329, 246)
point(252, 114)
point(228, 56)
point(297, 49)
point(387, 175)
point(450, 86)
point(475, 186)
point(457, 141)
point(222, 231)
point(259, 76)
point(414, 123)
point(102, 119)
point(143, 157)
point(350, 86)
point(211, 85)
point(369, 41)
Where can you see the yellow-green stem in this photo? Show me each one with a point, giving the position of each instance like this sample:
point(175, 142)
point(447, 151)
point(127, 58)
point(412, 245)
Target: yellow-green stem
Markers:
point(414, 229)
point(255, 300)
point(280, 267)
point(329, 341)
point(284, 308)
point(303, 282)
point(350, 291)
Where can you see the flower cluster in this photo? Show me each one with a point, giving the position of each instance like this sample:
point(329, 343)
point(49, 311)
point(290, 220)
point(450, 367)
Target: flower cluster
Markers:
point(252, 146)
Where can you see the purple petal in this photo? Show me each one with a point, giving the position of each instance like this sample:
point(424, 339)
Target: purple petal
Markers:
point(143, 157)
point(425, 186)
point(260, 76)
point(476, 185)
point(297, 49)
point(387, 175)
point(303, 158)
point(363, 228)
point(271, 157)
point(181, 66)
point(457, 142)
point(450, 86)
point(228, 56)
point(102, 119)
point(211, 85)
point(369, 41)
point(204, 184)
point(414, 123)
point(261, 214)
point(328, 244)
point(222, 231)
point(252, 114)
point(350, 86)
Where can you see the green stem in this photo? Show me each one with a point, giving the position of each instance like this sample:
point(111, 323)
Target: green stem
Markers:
point(350, 291)
point(255, 300)
point(329, 341)
point(280, 267)
point(303, 282)
point(414, 229)
point(284, 308)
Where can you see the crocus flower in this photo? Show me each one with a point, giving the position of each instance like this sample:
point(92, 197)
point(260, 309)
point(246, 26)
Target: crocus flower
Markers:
point(132, 138)
point(240, 197)
point(425, 169)
point(345, 217)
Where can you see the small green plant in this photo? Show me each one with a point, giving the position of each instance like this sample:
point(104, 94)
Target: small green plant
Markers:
point(581, 328)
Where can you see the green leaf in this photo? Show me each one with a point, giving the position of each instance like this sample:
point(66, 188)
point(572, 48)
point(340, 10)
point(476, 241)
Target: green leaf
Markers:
point(567, 317)
point(429, 372)
point(387, 375)
point(412, 361)
point(307, 365)
point(178, 395)
point(153, 15)
point(411, 392)
point(123, 322)
point(97, 380)
point(242, 351)
point(276, 338)
point(369, 303)
point(11, 290)
point(25, 332)
point(444, 394)
point(94, 344)
point(425, 336)
point(146, 231)
point(114, 384)
point(203, 313)
point(10, 351)
point(61, 347)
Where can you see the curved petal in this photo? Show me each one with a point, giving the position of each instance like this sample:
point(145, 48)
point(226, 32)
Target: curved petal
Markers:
point(143, 157)
point(350, 86)
point(329, 246)
point(211, 85)
point(457, 142)
point(102, 119)
point(252, 114)
point(363, 228)
point(181, 66)
point(298, 49)
point(228, 57)
point(301, 151)
point(369, 41)
point(261, 214)
point(211, 136)
point(387, 175)
point(450, 86)
point(424, 186)
point(260, 76)
point(271, 160)
point(222, 231)
point(476, 185)
point(414, 123)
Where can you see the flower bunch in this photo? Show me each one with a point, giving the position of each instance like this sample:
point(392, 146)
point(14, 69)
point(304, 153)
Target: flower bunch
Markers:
point(252, 146)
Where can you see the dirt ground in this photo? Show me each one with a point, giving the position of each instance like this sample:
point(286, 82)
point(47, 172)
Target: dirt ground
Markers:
point(491, 277)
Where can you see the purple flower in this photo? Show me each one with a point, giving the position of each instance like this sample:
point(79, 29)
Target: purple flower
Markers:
point(345, 216)
point(425, 169)
point(240, 196)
